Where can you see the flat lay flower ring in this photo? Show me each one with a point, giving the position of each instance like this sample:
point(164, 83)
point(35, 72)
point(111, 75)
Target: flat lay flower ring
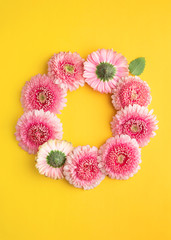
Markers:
point(39, 130)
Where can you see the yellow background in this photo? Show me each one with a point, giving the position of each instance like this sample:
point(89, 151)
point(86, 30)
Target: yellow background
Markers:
point(35, 207)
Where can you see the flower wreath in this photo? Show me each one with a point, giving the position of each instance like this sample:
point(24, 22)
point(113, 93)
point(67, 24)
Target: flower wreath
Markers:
point(39, 130)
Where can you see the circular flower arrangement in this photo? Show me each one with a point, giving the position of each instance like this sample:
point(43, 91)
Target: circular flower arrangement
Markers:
point(39, 130)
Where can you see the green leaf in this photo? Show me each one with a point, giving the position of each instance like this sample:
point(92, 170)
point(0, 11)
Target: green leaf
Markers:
point(136, 67)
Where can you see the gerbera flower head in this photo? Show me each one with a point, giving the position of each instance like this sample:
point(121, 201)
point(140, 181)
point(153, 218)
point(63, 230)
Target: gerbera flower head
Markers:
point(119, 157)
point(41, 93)
point(103, 69)
point(135, 121)
point(131, 90)
point(81, 168)
point(35, 128)
point(51, 158)
point(66, 69)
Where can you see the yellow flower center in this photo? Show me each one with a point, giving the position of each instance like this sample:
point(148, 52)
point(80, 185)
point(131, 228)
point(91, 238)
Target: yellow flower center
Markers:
point(133, 95)
point(134, 128)
point(121, 158)
point(42, 97)
point(69, 68)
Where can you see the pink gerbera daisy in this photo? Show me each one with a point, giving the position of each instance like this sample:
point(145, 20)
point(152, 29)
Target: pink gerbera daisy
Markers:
point(131, 90)
point(119, 157)
point(51, 158)
point(41, 93)
point(103, 69)
point(81, 168)
point(35, 128)
point(135, 121)
point(66, 69)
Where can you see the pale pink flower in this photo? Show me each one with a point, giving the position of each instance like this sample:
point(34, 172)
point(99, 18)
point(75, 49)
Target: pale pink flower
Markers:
point(41, 93)
point(135, 121)
point(131, 90)
point(104, 68)
point(35, 128)
point(66, 69)
point(119, 157)
point(81, 168)
point(51, 158)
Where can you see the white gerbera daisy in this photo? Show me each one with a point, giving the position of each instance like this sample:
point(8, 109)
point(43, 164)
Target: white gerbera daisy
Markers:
point(51, 158)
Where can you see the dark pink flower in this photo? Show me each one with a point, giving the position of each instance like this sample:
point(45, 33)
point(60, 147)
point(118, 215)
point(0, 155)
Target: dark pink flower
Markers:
point(119, 157)
point(129, 91)
point(41, 93)
point(81, 168)
point(66, 69)
point(35, 128)
point(135, 121)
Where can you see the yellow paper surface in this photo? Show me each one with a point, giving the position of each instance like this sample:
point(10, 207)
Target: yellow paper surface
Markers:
point(35, 207)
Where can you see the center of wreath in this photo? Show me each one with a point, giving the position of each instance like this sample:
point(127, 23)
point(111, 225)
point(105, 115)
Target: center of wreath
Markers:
point(105, 71)
point(56, 159)
point(69, 68)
